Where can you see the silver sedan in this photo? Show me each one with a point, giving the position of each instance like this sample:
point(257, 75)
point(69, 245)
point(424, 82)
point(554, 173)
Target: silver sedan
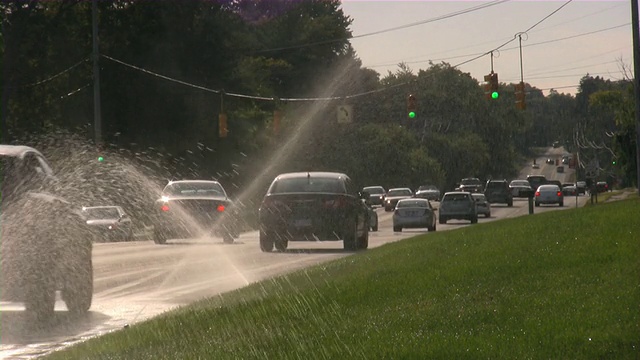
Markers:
point(414, 213)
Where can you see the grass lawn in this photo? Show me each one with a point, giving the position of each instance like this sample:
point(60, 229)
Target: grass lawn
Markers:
point(555, 285)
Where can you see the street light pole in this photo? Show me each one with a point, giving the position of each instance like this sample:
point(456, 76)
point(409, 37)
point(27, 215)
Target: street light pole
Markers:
point(97, 120)
point(636, 80)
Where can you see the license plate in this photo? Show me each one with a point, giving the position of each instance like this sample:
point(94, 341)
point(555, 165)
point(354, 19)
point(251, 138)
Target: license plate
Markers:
point(302, 222)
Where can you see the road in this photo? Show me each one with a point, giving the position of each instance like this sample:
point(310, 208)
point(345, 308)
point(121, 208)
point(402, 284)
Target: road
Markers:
point(134, 281)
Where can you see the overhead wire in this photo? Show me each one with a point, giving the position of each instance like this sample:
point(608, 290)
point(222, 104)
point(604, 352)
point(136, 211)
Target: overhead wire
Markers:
point(52, 77)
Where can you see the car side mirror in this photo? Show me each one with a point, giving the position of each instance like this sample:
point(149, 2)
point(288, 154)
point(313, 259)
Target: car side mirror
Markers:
point(364, 195)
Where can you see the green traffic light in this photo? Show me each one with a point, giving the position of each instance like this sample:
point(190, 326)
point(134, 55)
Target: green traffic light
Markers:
point(613, 162)
point(100, 159)
point(412, 114)
point(495, 95)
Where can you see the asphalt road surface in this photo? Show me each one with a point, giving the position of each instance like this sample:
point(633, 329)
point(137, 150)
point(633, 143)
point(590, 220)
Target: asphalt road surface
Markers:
point(137, 280)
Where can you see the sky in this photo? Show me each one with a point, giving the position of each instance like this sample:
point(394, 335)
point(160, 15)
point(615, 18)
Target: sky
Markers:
point(560, 47)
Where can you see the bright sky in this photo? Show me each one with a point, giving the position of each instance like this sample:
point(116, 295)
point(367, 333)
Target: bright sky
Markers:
point(599, 32)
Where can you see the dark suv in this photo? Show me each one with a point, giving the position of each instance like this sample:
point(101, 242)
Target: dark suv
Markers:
point(45, 244)
point(312, 206)
point(498, 191)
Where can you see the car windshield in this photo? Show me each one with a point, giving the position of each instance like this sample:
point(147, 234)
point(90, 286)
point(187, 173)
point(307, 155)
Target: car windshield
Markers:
point(495, 185)
point(456, 197)
point(206, 188)
point(413, 204)
point(309, 185)
point(102, 213)
point(471, 182)
point(374, 190)
point(427, 187)
point(399, 192)
point(519, 183)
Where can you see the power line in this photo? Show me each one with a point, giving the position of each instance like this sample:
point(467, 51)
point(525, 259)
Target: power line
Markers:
point(422, 22)
point(40, 82)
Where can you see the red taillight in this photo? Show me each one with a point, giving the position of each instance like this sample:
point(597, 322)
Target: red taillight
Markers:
point(559, 193)
point(220, 208)
point(537, 193)
point(164, 207)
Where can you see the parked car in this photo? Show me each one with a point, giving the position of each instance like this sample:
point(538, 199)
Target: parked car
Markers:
point(45, 244)
point(394, 195)
point(110, 223)
point(312, 206)
point(429, 192)
point(376, 194)
point(457, 205)
point(414, 213)
point(498, 191)
point(520, 188)
point(549, 194)
point(188, 208)
point(482, 205)
point(602, 186)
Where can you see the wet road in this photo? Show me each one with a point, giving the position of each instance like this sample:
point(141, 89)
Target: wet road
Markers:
point(138, 280)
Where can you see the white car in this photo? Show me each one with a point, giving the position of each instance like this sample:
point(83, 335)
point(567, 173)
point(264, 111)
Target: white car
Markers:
point(549, 194)
point(482, 205)
point(414, 213)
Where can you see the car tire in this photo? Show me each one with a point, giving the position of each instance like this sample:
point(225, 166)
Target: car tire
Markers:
point(432, 228)
point(374, 228)
point(227, 238)
point(510, 203)
point(561, 204)
point(397, 229)
point(537, 204)
point(129, 235)
point(363, 241)
point(40, 297)
point(266, 242)
point(77, 292)
point(487, 215)
point(350, 237)
point(281, 245)
point(474, 219)
point(159, 237)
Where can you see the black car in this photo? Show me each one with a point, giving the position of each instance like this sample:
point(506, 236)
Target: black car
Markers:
point(472, 185)
point(45, 244)
point(312, 206)
point(602, 186)
point(194, 207)
point(498, 191)
point(376, 194)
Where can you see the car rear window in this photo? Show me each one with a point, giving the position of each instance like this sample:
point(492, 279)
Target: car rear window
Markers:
point(400, 192)
point(412, 203)
point(495, 185)
point(308, 185)
point(374, 190)
point(193, 189)
point(456, 197)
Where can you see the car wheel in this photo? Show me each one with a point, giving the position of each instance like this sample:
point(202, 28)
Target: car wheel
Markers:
point(159, 237)
point(227, 238)
point(363, 241)
point(397, 229)
point(350, 237)
point(432, 228)
point(40, 296)
point(374, 228)
point(510, 203)
point(129, 235)
point(537, 204)
point(281, 244)
point(474, 219)
point(77, 292)
point(266, 242)
point(488, 215)
point(561, 204)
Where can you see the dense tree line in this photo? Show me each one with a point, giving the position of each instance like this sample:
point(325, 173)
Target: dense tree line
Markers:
point(283, 54)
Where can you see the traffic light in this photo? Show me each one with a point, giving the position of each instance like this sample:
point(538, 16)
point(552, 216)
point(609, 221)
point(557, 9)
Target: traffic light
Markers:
point(491, 86)
point(222, 126)
point(520, 96)
point(613, 162)
point(100, 159)
point(412, 106)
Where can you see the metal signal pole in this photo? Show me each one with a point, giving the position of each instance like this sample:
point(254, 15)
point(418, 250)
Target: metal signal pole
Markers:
point(97, 119)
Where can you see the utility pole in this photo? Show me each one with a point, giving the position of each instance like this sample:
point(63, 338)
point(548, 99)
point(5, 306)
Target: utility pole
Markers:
point(636, 80)
point(97, 120)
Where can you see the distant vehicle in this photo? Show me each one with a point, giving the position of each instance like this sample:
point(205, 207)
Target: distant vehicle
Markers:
point(414, 213)
point(482, 205)
point(560, 169)
point(602, 186)
point(429, 192)
point(566, 160)
point(457, 205)
point(376, 194)
point(551, 161)
point(549, 194)
point(110, 223)
point(535, 166)
point(581, 186)
point(556, 144)
point(520, 188)
point(394, 195)
point(312, 206)
point(45, 244)
point(536, 180)
point(498, 191)
point(472, 185)
point(373, 216)
point(569, 190)
point(189, 208)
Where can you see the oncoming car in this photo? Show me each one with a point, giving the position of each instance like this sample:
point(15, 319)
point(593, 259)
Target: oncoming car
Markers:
point(376, 194)
point(414, 213)
point(312, 206)
point(394, 195)
point(110, 223)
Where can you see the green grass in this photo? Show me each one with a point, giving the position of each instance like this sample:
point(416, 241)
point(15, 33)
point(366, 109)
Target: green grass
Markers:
point(555, 285)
